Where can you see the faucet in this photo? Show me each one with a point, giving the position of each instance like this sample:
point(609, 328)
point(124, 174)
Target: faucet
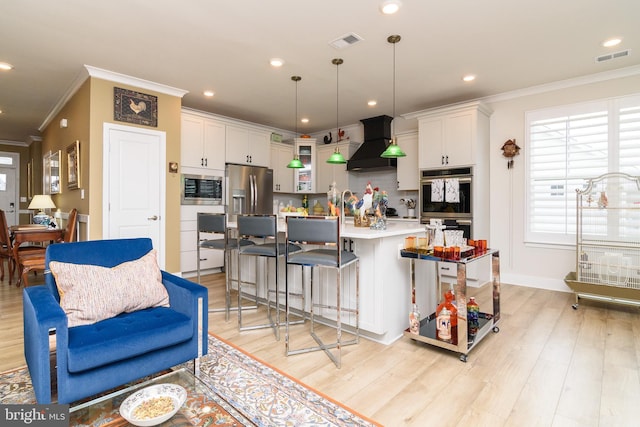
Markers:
point(342, 210)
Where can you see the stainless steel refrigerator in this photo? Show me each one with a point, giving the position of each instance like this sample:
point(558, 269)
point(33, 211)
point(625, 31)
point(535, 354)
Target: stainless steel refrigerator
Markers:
point(249, 190)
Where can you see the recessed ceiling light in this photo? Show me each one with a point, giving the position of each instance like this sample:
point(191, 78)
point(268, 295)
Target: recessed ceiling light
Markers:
point(209, 93)
point(5, 66)
point(389, 7)
point(372, 103)
point(304, 120)
point(611, 42)
point(469, 78)
point(276, 62)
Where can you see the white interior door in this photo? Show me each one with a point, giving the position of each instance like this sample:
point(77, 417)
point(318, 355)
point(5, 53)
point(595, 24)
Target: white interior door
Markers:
point(8, 186)
point(134, 184)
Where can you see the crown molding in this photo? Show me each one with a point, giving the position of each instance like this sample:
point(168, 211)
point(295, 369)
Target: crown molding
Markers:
point(565, 84)
point(14, 143)
point(534, 90)
point(134, 81)
point(99, 73)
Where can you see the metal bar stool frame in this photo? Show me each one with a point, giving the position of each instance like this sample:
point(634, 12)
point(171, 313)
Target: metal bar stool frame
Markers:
point(323, 231)
point(265, 227)
point(216, 223)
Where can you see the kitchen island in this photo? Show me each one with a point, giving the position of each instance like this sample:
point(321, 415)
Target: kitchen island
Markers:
point(384, 279)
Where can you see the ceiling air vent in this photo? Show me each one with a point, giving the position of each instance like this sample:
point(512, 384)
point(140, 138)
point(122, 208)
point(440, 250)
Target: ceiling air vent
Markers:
point(345, 41)
point(610, 56)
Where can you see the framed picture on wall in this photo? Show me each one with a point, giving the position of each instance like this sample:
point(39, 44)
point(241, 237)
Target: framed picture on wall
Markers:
point(54, 172)
point(73, 165)
point(135, 107)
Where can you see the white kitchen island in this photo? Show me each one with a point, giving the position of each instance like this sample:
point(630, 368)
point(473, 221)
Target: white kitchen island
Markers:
point(384, 279)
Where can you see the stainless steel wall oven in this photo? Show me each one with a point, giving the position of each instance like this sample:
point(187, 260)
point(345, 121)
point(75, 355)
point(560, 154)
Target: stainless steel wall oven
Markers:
point(447, 194)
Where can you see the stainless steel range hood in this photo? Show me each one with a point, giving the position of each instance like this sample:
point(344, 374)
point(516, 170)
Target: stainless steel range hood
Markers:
point(377, 136)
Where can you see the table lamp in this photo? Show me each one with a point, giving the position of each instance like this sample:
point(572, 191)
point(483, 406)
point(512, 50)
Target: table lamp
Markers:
point(41, 202)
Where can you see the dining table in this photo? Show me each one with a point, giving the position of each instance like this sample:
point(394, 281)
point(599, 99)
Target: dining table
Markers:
point(34, 234)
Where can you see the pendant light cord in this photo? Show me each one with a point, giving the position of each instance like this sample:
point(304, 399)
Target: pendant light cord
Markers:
point(296, 79)
point(394, 80)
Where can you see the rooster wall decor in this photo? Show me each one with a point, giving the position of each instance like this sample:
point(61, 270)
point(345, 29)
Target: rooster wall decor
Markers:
point(137, 108)
point(510, 149)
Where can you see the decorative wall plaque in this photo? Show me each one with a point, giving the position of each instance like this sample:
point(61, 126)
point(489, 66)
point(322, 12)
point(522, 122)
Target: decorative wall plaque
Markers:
point(135, 107)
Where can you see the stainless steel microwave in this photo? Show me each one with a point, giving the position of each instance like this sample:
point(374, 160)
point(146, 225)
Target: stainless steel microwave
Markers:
point(201, 189)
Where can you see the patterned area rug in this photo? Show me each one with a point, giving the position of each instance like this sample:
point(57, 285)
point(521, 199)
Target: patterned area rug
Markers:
point(263, 395)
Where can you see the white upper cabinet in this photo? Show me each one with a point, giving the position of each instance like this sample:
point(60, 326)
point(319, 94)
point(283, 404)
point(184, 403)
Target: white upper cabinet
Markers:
point(328, 173)
point(408, 171)
point(202, 143)
point(247, 146)
point(450, 137)
point(281, 155)
point(305, 179)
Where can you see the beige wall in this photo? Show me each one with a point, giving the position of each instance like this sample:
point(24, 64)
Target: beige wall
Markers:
point(521, 263)
point(55, 138)
point(86, 112)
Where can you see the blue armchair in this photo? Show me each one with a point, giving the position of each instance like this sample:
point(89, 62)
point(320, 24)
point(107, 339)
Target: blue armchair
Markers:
point(93, 358)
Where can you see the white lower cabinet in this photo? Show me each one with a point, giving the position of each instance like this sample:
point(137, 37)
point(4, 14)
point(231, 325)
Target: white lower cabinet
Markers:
point(210, 260)
point(478, 273)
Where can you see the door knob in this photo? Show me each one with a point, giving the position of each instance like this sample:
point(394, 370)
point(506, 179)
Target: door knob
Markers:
point(153, 218)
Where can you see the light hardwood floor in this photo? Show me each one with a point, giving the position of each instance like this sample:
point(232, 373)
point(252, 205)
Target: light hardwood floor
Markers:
point(549, 365)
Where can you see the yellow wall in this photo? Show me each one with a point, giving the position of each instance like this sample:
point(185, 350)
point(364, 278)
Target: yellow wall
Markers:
point(55, 138)
point(86, 112)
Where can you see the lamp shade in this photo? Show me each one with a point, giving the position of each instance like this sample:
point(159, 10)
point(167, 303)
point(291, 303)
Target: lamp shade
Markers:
point(336, 158)
point(295, 163)
point(393, 151)
point(41, 201)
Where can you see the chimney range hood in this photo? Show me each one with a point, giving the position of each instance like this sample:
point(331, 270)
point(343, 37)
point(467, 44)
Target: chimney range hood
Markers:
point(377, 136)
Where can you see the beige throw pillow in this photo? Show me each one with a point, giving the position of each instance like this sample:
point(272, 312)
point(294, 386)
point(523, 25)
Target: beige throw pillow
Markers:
point(90, 293)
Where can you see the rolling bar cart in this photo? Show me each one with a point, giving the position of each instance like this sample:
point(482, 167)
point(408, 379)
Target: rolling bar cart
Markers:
point(488, 321)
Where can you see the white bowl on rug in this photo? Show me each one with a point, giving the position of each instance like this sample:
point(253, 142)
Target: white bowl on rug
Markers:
point(152, 397)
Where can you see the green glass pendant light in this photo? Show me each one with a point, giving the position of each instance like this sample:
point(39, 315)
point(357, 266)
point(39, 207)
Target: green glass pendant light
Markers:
point(295, 163)
point(393, 151)
point(337, 158)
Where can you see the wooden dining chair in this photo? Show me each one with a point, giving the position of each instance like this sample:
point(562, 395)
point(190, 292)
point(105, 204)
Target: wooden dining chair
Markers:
point(35, 260)
point(6, 248)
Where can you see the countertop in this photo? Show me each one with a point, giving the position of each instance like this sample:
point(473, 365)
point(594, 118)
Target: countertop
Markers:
point(394, 228)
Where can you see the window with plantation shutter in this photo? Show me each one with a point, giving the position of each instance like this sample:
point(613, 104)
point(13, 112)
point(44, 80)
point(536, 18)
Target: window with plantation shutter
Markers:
point(566, 146)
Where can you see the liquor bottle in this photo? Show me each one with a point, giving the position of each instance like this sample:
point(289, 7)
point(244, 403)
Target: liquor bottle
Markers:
point(473, 317)
point(448, 303)
point(414, 320)
point(443, 325)
point(305, 202)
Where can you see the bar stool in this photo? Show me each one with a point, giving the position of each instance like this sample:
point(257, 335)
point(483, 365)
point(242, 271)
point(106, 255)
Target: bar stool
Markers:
point(322, 231)
point(216, 224)
point(263, 227)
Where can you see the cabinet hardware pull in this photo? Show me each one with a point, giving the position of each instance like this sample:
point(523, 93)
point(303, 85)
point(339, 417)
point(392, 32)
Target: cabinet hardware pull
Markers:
point(153, 218)
point(201, 161)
